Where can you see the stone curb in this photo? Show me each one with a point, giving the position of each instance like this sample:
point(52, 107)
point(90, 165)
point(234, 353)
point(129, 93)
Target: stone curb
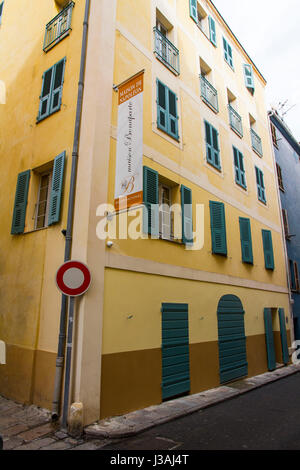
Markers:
point(138, 421)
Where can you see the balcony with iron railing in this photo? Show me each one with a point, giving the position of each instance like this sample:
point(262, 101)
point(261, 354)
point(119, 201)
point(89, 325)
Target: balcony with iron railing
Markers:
point(235, 121)
point(166, 52)
point(209, 94)
point(256, 142)
point(58, 28)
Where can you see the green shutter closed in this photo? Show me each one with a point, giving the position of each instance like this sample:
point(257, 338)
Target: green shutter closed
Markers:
point(231, 339)
point(249, 78)
point(175, 350)
point(1, 11)
point(58, 77)
point(246, 240)
point(240, 178)
point(56, 189)
point(212, 145)
point(212, 31)
point(18, 222)
point(187, 215)
point(284, 345)
point(193, 10)
point(269, 339)
point(50, 99)
point(151, 203)
point(268, 249)
point(218, 228)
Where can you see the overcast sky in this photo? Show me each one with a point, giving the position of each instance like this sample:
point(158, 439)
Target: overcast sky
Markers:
point(269, 31)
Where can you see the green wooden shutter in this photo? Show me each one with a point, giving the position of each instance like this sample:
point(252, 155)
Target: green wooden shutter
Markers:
point(187, 215)
point(151, 203)
point(56, 189)
point(229, 49)
point(193, 10)
point(172, 114)
point(58, 78)
point(212, 31)
point(260, 185)
point(45, 97)
point(268, 249)
point(162, 106)
point(175, 350)
point(18, 222)
point(249, 77)
point(218, 228)
point(212, 145)
point(269, 339)
point(239, 168)
point(246, 240)
point(284, 345)
point(1, 11)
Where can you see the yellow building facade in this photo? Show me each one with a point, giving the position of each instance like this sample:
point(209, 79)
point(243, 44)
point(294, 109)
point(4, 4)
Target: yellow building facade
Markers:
point(162, 317)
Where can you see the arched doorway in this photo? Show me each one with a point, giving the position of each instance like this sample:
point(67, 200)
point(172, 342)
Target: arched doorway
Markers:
point(232, 340)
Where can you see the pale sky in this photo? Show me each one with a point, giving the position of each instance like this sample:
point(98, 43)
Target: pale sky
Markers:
point(269, 31)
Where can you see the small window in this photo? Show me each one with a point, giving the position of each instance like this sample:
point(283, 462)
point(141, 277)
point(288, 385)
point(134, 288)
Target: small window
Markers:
point(1, 10)
point(167, 119)
point(212, 146)
point(286, 223)
point(42, 205)
point(260, 185)
point(274, 137)
point(294, 276)
point(228, 53)
point(50, 99)
point(240, 178)
point(279, 176)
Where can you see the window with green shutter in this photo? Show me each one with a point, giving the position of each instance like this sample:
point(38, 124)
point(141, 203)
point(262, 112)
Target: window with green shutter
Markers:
point(268, 249)
point(246, 240)
point(167, 119)
point(249, 78)
point(50, 99)
point(18, 222)
point(56, 189)
point(1, 10)
point(151, 202)
point(240, 178)
point(228, 53)
point(218, 228)
point(212, 145)
point(212, 31)
point(193, 10)
point(261, 194)
point(187, 215)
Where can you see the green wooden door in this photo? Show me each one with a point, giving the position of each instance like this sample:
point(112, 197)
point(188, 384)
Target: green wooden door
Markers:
point(283, 335)
point(175, 350)
point(232, 340)
point(269, 339)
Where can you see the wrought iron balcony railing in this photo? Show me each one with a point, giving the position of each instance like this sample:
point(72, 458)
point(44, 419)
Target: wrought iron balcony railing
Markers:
point(256, 142)
point(166, 52)
point(208, 93)
point(235, 121)
point(58, 27)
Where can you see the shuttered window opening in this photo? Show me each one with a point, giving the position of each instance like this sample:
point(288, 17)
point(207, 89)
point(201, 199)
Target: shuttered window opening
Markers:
point(246, 240)
point(249, 78)
point(18, 222)
point(240, 177)
point(285, 223)
point(218, 228)
point(51, 95)
point(193, 10)
point(212, 31)
point(268, 249)
point(212, 146)
point(228, 53)
point(279, 175)
point(261, 194)
point(274, 136)
point(167, 118)
point(175, 350)
point(232, 340)
point(187, 215)
point(294, 276)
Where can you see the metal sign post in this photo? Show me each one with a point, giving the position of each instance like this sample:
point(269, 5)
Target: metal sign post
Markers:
point(73, 279)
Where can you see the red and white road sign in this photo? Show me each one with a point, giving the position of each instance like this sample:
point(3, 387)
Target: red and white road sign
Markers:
point(73, 278)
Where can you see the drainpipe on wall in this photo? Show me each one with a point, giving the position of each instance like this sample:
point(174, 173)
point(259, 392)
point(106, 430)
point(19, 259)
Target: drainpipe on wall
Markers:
point(62, 329)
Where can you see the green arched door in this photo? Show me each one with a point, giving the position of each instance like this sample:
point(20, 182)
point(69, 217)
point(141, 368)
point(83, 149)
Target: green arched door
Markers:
point(232, 339)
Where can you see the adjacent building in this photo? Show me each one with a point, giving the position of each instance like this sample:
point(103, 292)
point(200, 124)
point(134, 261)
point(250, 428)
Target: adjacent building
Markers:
point(287, 157)
point(191, 291)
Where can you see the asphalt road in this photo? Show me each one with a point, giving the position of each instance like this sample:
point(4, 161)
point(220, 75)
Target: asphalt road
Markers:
point(267, 418)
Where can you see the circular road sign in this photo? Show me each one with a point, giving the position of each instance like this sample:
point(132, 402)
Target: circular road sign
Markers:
point(73, 278)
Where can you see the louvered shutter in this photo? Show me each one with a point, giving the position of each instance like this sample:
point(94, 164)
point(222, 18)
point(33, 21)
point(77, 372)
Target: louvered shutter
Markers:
point(225, 49)
point(151, 202)
point(284, 345)
point(230, 59)
point(56, 189)
point(1, 11)
point(172, 114)
point(162, 118)
point(45, 97)
point(268, 249)
point(18, 222)
point(246, 240)
point(212, 145)
point(249, 78)
point(187, 215)
point(58, 78)
point(212, 31)
point(193, 10)
point(218, 228)
point(269, 339)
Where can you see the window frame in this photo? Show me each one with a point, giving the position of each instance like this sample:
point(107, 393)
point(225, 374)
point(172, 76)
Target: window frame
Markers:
point(50, 173)
point(279, 177)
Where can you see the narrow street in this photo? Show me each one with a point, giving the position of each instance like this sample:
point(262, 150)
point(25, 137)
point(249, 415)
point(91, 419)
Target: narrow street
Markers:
point(267, 418)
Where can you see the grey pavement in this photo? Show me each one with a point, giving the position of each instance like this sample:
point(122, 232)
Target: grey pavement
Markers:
point(30, 428)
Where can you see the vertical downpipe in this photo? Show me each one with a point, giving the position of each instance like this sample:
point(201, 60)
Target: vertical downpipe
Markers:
point(62, 329)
